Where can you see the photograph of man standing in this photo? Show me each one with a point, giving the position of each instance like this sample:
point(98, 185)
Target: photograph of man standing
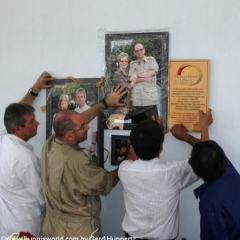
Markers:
point(142, 74)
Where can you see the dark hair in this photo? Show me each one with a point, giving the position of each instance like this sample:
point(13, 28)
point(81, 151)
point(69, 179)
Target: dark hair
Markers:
point(146, 139)
point(123, 145)
point(14, 115)
point(63, 122)
point(208, 160)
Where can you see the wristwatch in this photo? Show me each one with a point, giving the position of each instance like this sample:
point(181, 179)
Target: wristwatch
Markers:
point(32, 92)
point(105, 103)
point(94, 143)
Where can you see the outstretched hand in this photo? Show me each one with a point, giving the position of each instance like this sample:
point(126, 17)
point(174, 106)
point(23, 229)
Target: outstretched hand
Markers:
point(42, 82)
point(179, 132)
point(205, 119)
point(115, 95)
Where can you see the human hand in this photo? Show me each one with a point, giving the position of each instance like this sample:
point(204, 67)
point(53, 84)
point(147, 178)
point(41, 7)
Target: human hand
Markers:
point(133, 82)
point(205, 119)
point(92, 148)
point(133, 79)
point(42, 82)
point(115, 95)
point(149, 80)
point(179, 132)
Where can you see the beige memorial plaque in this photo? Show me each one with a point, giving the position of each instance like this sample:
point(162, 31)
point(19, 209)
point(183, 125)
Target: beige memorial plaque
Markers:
point(188, 92)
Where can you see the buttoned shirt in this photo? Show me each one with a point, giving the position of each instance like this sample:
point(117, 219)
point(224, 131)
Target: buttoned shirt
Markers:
point(21, 196)
point(93, 128)
point(151, 195)
point(144, 93)
point(220, 206)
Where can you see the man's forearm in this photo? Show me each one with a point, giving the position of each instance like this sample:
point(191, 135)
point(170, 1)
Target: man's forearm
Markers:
point(147, 74)
point(43, 82)
point(192, 140)
point(28, 99)
point(94, 137)
point(112, 100)
point(92, 112)
point(205, 120)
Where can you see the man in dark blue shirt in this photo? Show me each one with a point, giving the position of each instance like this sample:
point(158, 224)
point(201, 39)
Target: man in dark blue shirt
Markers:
point(219, 194)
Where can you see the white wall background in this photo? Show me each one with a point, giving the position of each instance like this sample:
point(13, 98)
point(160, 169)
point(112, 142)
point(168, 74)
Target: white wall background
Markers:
point(62, 37)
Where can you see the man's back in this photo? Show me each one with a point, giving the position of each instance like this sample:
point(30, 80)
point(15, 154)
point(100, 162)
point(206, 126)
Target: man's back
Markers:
point(220, 206)
point(72, 185)
point(151, 194)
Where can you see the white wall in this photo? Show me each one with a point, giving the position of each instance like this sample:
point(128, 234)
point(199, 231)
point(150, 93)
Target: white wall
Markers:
point(62, 37)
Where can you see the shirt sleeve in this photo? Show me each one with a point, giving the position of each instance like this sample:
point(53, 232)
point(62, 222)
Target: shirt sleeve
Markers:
point(186, 174)
point(94, 180)
point(153, 65)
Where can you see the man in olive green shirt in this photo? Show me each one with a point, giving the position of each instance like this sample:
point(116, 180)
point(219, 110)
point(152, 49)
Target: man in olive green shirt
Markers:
point(72, 184)
point(142, 74)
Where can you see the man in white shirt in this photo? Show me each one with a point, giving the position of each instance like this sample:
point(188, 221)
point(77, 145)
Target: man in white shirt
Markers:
point(89, 145)
point(22, 203)
point(152, 188)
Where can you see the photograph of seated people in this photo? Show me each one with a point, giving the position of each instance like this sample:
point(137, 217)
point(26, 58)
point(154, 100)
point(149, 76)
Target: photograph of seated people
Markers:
point(144, 93)
point(219, 195)
point(116, 119)
point(89, 145)
point(71, 183)
point(152, 188)
point(22, 203)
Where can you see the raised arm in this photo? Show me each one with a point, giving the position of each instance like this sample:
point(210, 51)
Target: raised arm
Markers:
point(112, 100)
point(180, 132)
point(205, 120)
point(41, 83)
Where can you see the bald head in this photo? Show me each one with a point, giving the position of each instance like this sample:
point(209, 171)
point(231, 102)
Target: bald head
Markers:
point(66, 121)
point(138, 45)
point(139, 51)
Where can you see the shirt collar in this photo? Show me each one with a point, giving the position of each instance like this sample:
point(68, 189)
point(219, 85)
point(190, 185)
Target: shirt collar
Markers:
point(22, 142)
point(144, 60)
point(61, 142)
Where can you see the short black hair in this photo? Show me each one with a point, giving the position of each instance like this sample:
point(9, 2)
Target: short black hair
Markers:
point(208, 160)
point(146, 138)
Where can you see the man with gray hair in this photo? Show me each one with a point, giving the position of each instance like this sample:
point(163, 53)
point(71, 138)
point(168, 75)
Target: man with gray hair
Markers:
point(21, 197)
point(89, 145)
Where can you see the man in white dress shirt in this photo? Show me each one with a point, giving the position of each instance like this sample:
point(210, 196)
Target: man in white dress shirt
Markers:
point(89, 145)
point(22, 203)
point(151, 187)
